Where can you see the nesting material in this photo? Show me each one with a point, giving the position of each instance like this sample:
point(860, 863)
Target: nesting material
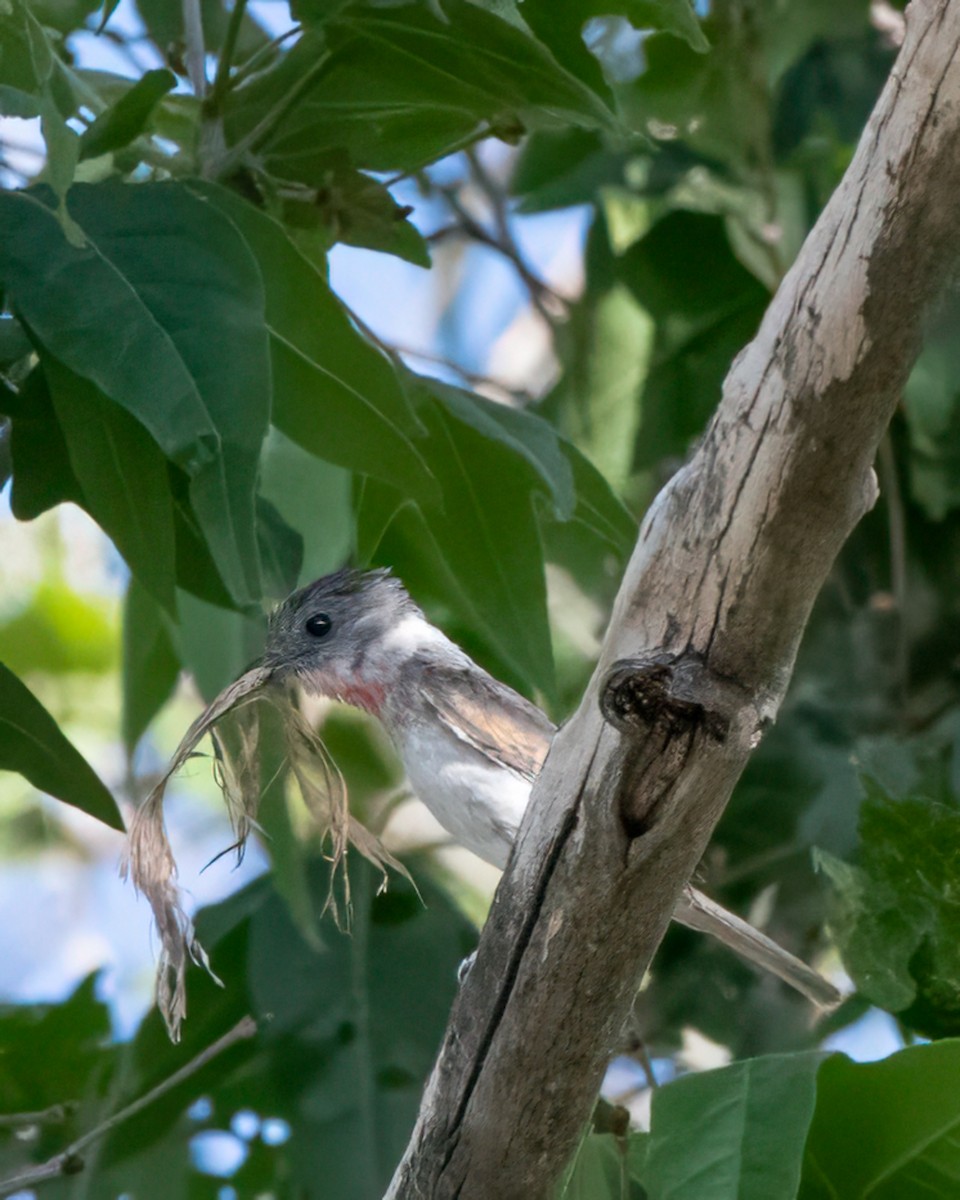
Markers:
point(232, 720)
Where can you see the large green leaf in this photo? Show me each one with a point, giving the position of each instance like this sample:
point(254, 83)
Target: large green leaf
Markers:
point(123, 477)
point(334, 393)
point(150, 663)
point(405, 85)
point(712, 1137)
point(32, 744)
point(886, 1130)
point(314, 497)
point(179, 338)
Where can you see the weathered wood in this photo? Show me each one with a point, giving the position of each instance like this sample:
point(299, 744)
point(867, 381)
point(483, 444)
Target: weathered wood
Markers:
point(698, 654)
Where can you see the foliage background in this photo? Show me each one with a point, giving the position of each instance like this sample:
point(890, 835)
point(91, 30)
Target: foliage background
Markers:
point(451, 287)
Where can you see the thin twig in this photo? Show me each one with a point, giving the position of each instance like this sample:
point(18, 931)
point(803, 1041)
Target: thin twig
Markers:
point(471, 377)
point(260, 56)
point(70, 1161)
point(262, 130)
point(508, 243)
point(56, 1114)
point(196, 58)
point(468, 225)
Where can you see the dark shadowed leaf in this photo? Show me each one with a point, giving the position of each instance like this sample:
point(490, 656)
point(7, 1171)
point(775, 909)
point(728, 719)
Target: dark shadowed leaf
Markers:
point(32, 745)
point(560, 24)
point(346, 205)
point(42, 474)
point(706, 307)
point(281, 551)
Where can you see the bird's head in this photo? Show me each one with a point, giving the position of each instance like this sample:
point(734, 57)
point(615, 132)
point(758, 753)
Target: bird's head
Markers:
point(334, 635)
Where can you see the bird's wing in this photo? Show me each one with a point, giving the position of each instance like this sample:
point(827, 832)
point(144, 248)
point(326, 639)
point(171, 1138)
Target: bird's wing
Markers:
point(509, 730)
point(490, 717)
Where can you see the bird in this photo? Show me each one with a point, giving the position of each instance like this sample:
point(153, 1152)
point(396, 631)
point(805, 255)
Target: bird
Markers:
point(471, 746)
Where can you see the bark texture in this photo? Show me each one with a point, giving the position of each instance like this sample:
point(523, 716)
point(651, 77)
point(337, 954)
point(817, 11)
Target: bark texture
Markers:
point(698, 654)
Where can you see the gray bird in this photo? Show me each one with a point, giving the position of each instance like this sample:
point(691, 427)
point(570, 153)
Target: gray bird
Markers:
point(471, 746)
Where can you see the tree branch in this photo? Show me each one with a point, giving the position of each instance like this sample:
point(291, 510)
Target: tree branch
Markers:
point(699, 652)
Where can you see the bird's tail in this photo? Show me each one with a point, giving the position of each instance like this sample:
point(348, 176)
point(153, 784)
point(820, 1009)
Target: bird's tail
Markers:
point(698, 911)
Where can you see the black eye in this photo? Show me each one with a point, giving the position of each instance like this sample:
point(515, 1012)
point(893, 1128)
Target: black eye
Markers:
point(319, 625)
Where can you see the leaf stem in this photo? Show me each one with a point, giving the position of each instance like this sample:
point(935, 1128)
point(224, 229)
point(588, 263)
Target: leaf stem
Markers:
point(221, 82)
point(260, 55)
point(70, 1160)
point(262, 130)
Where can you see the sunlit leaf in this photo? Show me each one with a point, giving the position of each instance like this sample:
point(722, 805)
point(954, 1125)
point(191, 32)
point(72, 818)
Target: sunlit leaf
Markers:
point(737, 1151)
point(887, 1130)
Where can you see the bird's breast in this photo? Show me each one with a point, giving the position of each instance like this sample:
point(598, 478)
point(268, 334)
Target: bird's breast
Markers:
point(478, 801)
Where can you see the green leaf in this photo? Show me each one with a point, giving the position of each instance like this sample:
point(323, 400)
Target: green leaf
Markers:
point(525, 434)
point(560, 24)
point(406, 85)
point(150, 663)
point(706, 307)
point(732, 1134)
point(64, 16)
point(604, 1170)
point(52, 1052)
point(281, 551)
point(886, 1130)
point(129, 116)
point(213, 643)
point(42, 474)
point(334, 393)
point(895, 917)
point(608, 343)
point(481, 551)
point(179, 338)
point(26, 61)
point(313, 497)
point(32, 744)
point(557, 169)
point(933, 416)
point(122, 475)
point(58, 631)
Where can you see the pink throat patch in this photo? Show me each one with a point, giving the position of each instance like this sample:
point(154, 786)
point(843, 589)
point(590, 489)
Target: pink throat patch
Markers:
point(362, 694)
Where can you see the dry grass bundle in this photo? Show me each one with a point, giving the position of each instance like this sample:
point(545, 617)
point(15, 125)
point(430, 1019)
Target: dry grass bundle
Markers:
point(233, 722)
